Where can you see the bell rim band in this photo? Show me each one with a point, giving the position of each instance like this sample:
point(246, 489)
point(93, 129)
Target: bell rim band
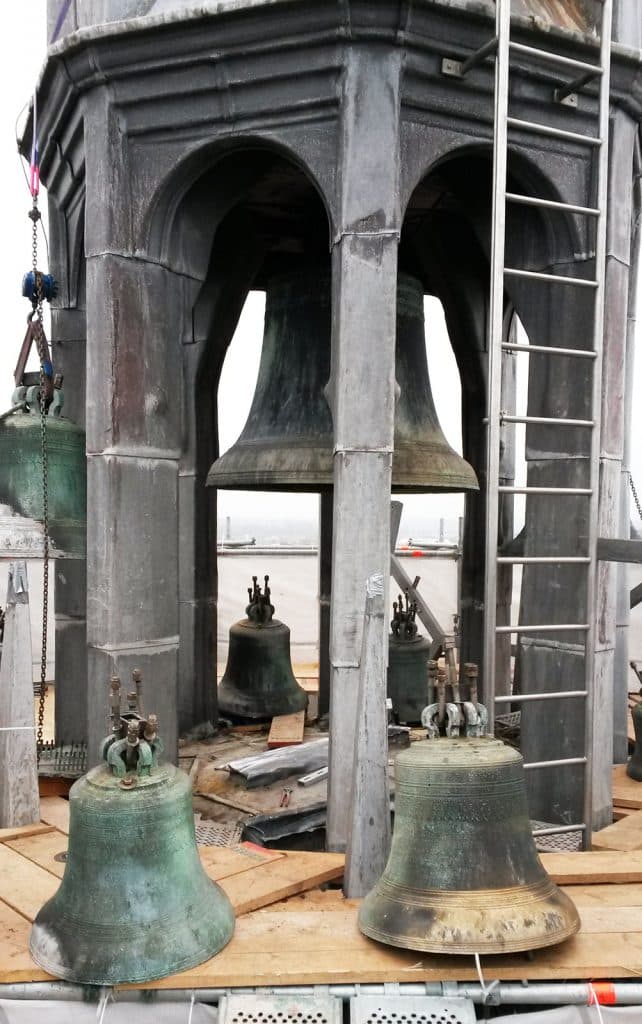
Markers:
point(531, 893)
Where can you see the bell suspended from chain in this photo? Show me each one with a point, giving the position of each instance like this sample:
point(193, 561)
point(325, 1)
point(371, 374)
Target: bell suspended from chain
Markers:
point(408, 656)
point(134, 903)
point(258, 681)
point(287, 442)
point(463, 875)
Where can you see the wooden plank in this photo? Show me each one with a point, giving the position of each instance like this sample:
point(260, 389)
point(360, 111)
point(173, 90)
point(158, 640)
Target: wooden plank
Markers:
point(15, 963)
point(24, 886)
point(54, 810)
point(327, 948)
point(43, 850)
point(599, 867)
point(622, 812)
point(225, 861)
point(625, 834)
point(286, 730)
point(626, 792)
point(612, 550)
point(24, 830)
point(268, 883)
point(624, 895)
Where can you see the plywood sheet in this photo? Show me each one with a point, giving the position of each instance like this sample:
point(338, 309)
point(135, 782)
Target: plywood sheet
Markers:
point(24, 886)
point(54, 810)
point(594, 867)
point(270, 882)
point(24, 830)
point(286, 730)
point(625, 834)
point(43, 850)
point(15, 963)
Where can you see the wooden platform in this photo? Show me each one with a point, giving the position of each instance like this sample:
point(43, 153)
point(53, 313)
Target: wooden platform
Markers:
point(288, 932)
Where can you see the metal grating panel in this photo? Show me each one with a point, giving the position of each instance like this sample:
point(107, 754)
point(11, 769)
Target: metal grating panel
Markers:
point(212, 833)
point(400, 1009)
point(279, 1009)
point(562, 842)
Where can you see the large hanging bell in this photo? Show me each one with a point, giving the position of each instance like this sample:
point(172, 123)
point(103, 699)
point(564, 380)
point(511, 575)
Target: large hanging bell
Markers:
point(258, 681)
point(408, 656)
point(21, 474)
point(463, 874)
point(287, 442)
point(134, 903)
point(634, 764)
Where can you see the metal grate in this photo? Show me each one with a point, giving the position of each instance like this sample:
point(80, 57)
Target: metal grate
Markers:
point(212, 833)
point(68, 760)
point(562, 842)
point(279, 1009)
point(400, 1009)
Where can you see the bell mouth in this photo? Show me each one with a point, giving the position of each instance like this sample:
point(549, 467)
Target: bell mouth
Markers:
point(466, 922)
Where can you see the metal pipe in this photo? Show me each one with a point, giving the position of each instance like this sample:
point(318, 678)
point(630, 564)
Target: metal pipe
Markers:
point(566, 993)
point(587, 491)
point(521, 698)
point(554, 763)
point(557, 58)
point(538, 275)
point(555, 133)
point(551, 628)
point(551, 421)
point(549, 350)
point(551, 204)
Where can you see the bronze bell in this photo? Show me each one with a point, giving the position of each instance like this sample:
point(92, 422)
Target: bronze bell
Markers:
point(634, 764)
point(408, 655)
point(463, 875)
point(258, 681)
point(134, 903)
point(287, 442)
point(21, 469)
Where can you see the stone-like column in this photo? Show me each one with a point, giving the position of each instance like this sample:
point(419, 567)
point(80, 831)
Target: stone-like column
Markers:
point(362, 392)
point(68, 350)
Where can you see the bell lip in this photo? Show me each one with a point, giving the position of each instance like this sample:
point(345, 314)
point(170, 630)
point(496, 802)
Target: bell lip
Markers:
point(199, 956)
point(555, 900)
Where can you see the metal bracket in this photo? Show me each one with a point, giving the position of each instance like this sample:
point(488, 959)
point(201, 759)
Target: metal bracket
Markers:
point(451, 68)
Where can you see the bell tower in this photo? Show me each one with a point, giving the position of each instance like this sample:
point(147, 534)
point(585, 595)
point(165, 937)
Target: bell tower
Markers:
point(180, 147)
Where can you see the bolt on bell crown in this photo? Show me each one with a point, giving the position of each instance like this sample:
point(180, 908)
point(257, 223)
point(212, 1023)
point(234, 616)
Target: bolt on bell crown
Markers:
point(287, 442)
point(134, 903)
point(463, 875)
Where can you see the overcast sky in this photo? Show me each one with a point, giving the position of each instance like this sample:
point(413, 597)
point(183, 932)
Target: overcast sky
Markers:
point(23, 47)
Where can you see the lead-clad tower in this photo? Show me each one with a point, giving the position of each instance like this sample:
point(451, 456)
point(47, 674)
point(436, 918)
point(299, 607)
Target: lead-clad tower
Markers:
point(192, 150)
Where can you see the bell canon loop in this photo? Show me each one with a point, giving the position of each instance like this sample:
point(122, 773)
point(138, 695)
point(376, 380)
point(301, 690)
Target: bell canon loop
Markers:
point(463, 875)
point(258, 682)
point(287, 442)
point(134, 903)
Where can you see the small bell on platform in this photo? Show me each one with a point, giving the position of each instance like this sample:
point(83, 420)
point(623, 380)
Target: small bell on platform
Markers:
point(258, 681)
point(134, 903)
point(634, 764)
point(408, 654)
point(463, 875)
point(21, 474)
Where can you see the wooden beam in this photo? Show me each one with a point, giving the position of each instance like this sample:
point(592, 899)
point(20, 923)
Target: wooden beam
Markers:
point(609, 550)
point(636, 595)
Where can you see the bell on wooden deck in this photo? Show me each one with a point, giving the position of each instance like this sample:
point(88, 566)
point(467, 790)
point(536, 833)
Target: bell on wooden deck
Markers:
point(134, 903)
point(463, 875)
point(634, 764)
point(21, 481)
point(287, 442)
point(408, 656)
point(258, 681)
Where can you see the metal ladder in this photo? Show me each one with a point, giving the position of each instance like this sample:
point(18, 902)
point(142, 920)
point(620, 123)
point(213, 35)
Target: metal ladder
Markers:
point(580, 73)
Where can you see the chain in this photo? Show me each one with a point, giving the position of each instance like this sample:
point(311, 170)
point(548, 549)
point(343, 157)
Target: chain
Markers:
point(635, 496)
point(38, 317)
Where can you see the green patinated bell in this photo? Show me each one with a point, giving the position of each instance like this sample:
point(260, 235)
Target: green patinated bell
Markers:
point(135, 903)
point(463, 875)
point(408, 656)
point(258, 681)
point(21, 474)
point(634, 765)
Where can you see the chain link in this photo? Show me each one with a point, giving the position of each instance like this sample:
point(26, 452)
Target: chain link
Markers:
point(38, 317)
point(635, 496)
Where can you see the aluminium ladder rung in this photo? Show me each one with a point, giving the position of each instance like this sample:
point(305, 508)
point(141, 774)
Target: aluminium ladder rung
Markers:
point(574, 491)
point(546, 421)
point(555, 133)
point(559, 830)
point(583, 66)
point(549, 350)
point(556, 763)
point(556, 627)
point(522, 698)
point(542, 560)
point(536, 275)
point(551, 204)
